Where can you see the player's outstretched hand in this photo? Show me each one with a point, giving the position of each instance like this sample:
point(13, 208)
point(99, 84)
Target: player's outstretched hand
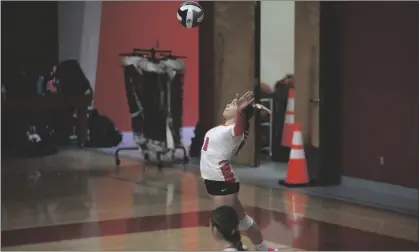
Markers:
point(244, 101)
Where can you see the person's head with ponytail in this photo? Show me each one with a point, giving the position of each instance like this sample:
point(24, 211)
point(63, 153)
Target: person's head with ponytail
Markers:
point(225, 226)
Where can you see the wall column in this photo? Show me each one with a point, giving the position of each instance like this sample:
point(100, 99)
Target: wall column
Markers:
point(226, 62)
point(307, 51)
point(307, 74)
point(78, 34)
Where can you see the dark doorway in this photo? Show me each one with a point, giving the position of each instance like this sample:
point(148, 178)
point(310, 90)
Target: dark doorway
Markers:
point(29, 34)
point(257, 129)
point(330, 94)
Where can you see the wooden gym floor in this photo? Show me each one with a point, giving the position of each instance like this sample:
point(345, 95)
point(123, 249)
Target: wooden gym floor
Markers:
point(74, 200)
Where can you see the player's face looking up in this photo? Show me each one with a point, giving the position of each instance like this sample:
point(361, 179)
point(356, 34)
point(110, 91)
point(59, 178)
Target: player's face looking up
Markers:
point(230, 110)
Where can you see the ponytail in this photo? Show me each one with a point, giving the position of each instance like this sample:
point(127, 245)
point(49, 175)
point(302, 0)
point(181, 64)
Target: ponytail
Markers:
point(226, 221)
point(234, 238)
point(237, 241)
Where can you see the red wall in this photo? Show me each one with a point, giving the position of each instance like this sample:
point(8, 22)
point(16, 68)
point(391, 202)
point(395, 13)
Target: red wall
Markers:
point(127, 25)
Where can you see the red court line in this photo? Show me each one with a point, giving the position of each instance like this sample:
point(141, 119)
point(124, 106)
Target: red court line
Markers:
point(328, 236)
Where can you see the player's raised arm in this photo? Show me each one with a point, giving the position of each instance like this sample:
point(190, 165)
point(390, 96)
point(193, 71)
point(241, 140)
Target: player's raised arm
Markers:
point(242, 103)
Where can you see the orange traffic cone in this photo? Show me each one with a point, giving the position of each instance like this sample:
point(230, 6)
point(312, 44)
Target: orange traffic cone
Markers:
point(289, 119)
point(297, 174)
point(295, 209)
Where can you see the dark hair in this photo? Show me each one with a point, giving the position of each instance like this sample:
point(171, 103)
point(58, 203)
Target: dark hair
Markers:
point(94, 113)
point(226, 221)
point(248, 114)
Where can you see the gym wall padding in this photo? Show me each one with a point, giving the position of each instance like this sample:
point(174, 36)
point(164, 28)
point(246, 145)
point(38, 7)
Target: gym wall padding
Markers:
point(381, 87)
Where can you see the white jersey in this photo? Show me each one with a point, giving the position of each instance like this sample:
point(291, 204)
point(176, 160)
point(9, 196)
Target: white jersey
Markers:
point(220, 144)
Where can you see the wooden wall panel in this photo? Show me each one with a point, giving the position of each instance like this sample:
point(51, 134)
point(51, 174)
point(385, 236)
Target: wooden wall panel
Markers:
point(229, 34)
point(380, 84)
point(307, 50)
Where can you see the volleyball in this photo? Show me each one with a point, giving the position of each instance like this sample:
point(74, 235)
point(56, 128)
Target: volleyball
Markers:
point(190, 14)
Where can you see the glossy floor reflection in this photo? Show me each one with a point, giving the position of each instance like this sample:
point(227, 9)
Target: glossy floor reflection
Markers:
point(75, 201)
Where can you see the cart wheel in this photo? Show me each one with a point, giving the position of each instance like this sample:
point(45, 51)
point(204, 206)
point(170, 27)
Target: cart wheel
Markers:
point(117, 161)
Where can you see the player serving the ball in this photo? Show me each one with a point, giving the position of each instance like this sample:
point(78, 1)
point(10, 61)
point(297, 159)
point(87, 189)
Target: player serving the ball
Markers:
point(220, 144)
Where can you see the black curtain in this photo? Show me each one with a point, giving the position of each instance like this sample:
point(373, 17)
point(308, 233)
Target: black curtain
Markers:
point(29, 36)
point(29, 39)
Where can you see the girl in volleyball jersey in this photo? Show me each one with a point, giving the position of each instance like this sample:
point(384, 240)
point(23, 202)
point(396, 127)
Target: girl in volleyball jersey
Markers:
point(220, 144)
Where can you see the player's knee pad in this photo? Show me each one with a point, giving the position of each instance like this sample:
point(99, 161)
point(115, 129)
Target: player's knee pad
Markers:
point(246, 223)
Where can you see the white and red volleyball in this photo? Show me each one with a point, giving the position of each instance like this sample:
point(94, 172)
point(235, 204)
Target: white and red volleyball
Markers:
point(190, 14)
